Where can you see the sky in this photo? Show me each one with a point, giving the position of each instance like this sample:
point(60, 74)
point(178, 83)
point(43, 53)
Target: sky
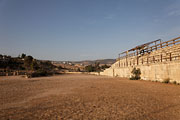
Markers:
point(73, 30)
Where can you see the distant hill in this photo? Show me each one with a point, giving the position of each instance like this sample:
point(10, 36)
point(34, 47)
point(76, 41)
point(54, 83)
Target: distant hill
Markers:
point(101, 61)
point(88, 62)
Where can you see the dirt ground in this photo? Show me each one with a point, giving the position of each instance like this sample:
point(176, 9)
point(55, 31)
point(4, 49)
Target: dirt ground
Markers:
point(87, 97)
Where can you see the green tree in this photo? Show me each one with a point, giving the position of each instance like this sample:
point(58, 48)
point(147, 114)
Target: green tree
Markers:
point(28, 63)
point(46, 65)
point(35, 65)
point(103, 67)
point(23, 55)
point(89, 68)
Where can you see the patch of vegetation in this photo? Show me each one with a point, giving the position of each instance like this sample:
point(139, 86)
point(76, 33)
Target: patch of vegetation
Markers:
point(103, 67)
point(9, 63)
point(136, 74)
point(174, 82)
point(33, 67)
point(96, 67)
point(40, 73)
point(167, 80)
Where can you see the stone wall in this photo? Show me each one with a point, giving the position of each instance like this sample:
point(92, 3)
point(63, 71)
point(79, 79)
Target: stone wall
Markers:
point(156, 66)
point(153, 72)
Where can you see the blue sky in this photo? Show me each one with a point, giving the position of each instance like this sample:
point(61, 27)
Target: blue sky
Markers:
point(84, 29)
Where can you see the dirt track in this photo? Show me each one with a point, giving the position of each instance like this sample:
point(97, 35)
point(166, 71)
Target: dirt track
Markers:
point(75, 97)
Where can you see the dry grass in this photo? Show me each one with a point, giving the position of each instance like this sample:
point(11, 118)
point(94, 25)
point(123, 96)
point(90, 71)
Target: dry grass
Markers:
point(87, 97)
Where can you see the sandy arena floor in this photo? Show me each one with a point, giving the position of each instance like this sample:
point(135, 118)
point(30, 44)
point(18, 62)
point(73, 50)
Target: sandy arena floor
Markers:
point(87, 97)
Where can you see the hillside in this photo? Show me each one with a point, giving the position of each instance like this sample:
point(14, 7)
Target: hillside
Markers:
point(88, 62)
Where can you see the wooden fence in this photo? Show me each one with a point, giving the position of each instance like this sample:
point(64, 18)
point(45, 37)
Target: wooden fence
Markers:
point(165, 51)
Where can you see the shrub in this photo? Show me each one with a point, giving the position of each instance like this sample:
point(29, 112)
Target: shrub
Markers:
point(136, 74)
point(174, 82)
point(40, 73)
point(167, 80)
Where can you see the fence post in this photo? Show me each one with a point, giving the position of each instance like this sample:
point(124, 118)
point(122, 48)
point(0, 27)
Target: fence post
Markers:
point(156, 45)
point(170, 57)
point(126, 58)
point(119, 60)
point(137, 57)
point(161, 57)
point(174, 42)
point(153, 59)
point(160, 43)
point(137, 60)
point(113, 72)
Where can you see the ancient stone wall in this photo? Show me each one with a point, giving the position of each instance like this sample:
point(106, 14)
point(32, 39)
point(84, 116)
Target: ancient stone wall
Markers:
point(158, 65)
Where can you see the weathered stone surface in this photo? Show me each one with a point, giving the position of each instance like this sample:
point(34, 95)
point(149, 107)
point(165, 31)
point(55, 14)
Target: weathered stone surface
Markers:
point(151, 70)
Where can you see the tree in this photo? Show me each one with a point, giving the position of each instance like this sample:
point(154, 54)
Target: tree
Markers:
point(46, 65)
point(28, 63)
point(35, 65)
point(97, 67)
point(23, 55)
point(89, 68)
point(103, 67)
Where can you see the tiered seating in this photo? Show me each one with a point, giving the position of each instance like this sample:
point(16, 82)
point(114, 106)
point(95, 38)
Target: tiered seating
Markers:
point(169, 53)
